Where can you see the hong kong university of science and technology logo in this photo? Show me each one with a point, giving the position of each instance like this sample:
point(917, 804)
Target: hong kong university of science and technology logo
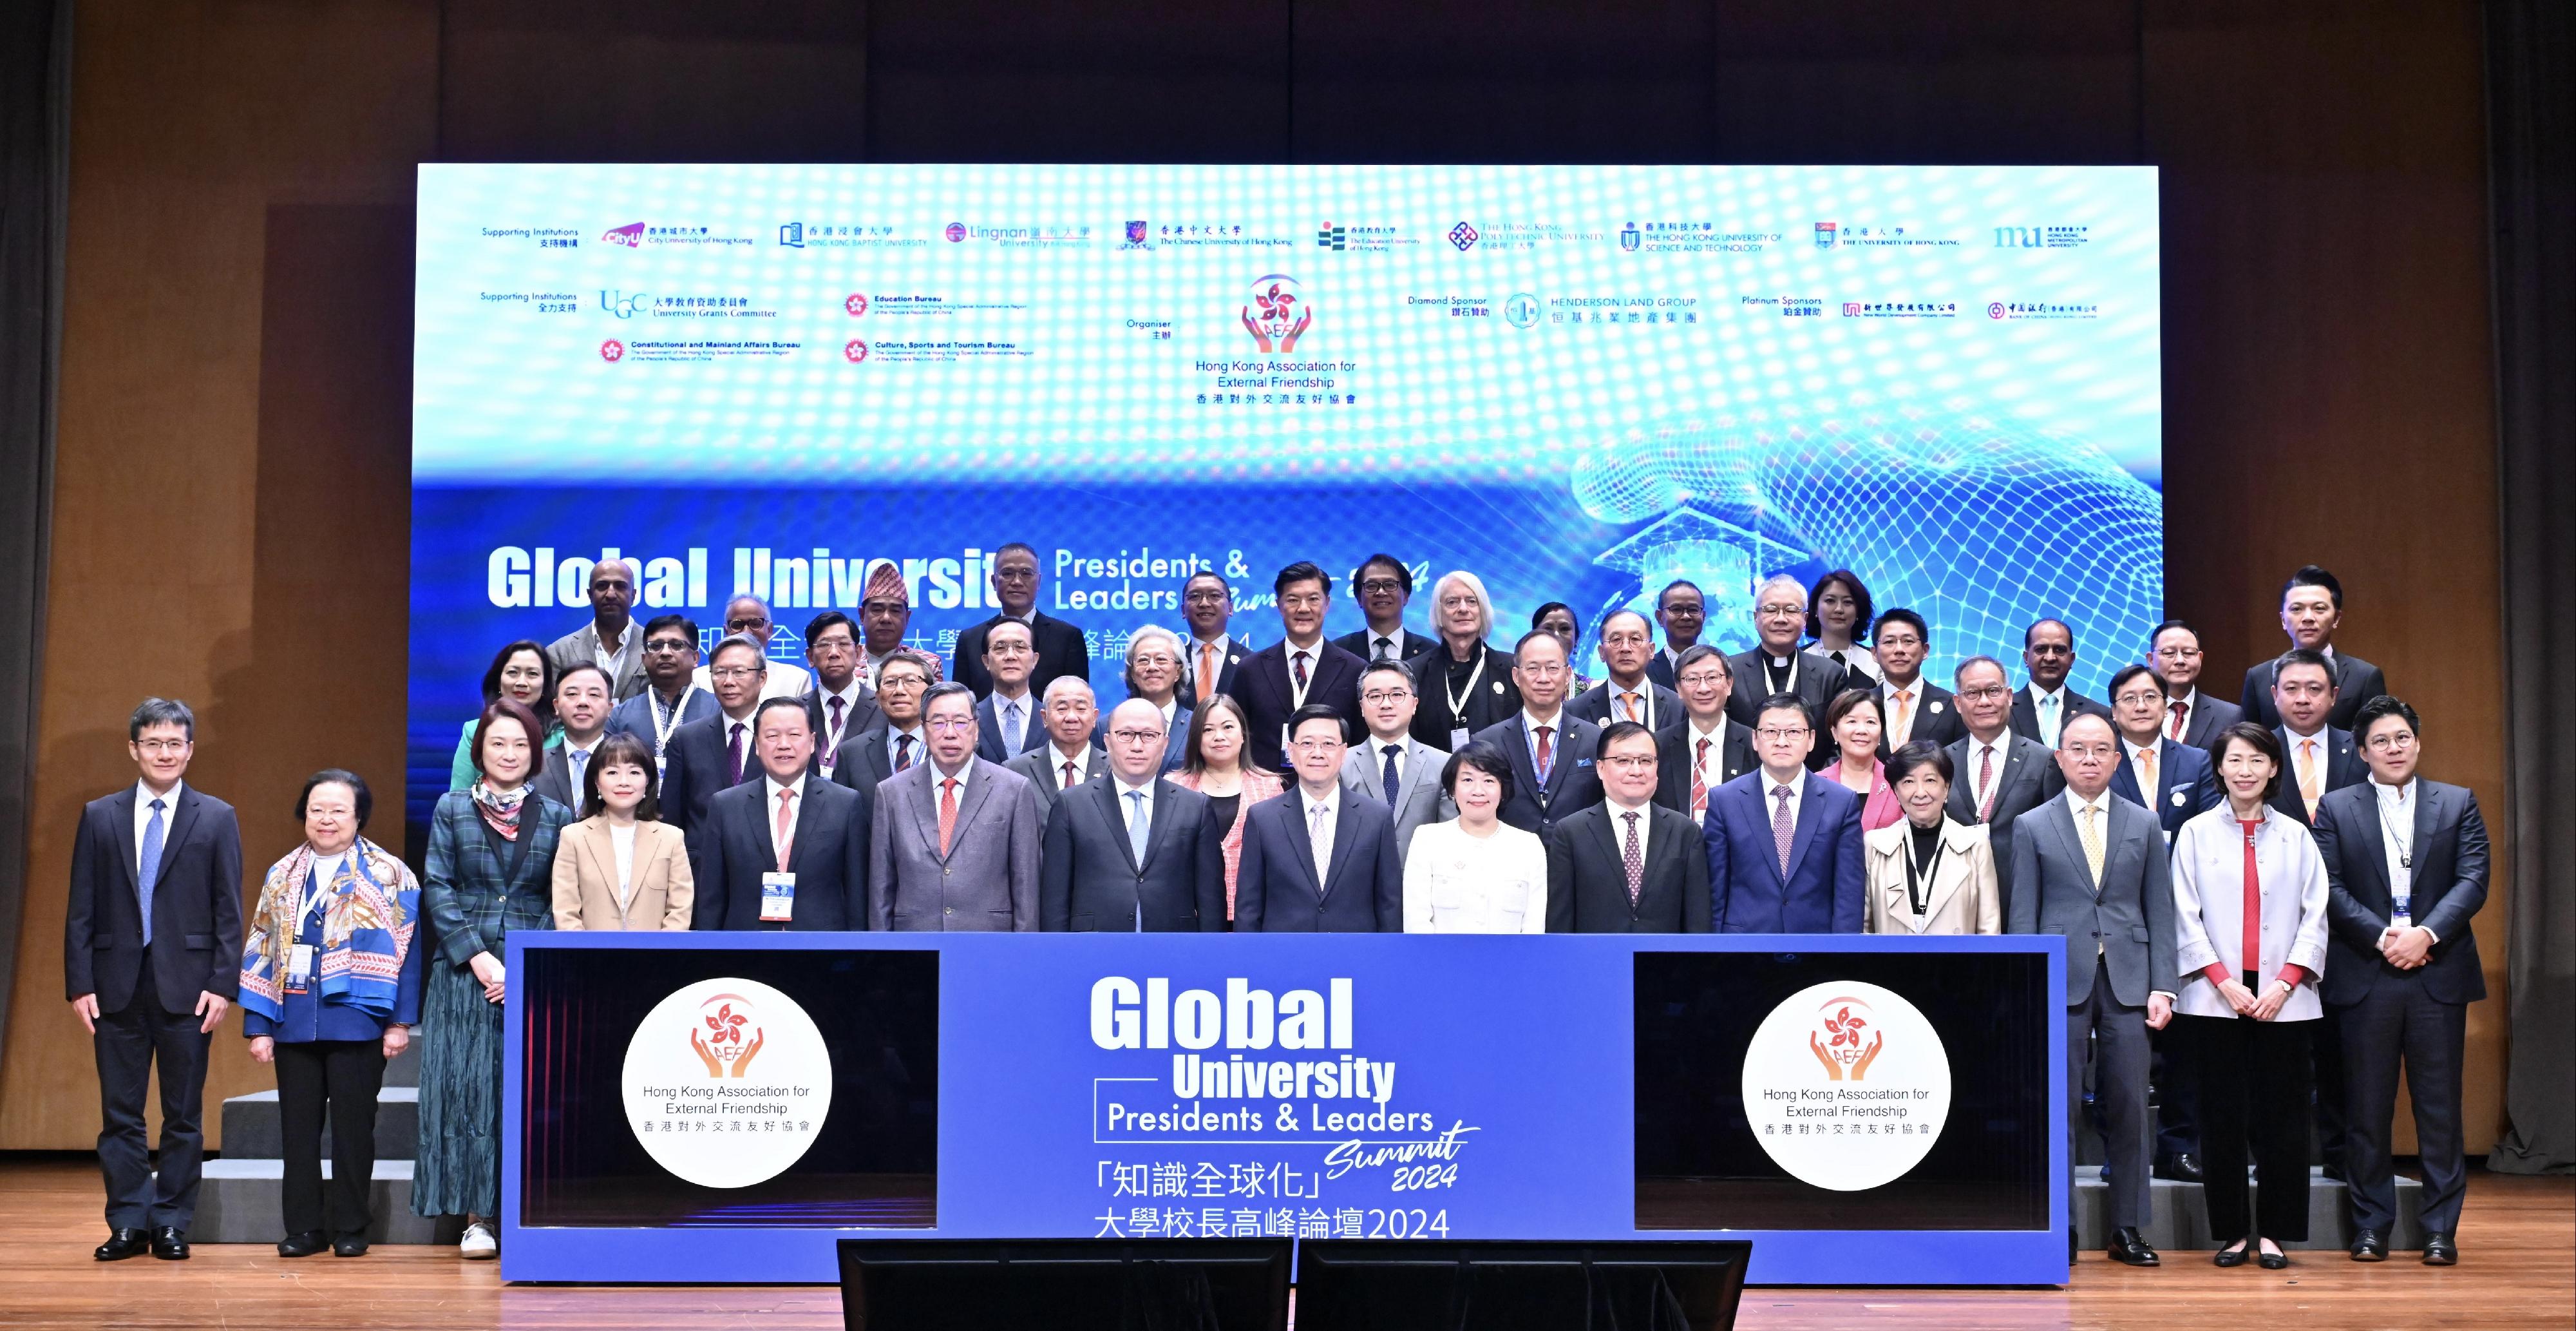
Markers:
point(1628, 238)
point(1277, 313)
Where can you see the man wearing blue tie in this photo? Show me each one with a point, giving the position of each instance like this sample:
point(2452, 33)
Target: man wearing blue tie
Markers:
point(1007, 720)
point(1784, 845)
point(582, 704)
point(1132, 851)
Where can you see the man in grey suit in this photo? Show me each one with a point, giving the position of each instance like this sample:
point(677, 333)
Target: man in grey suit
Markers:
point(2191, 716)
point(609, 640)
point(2092, 868)
point(1391, 766)
point(955, 840)
point(1072, 753)
point(1626, 694)
point(1129, 851)
point(2001, 774)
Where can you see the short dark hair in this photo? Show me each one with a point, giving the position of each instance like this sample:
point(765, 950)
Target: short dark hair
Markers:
point(510, 709)
point(1920, 753)
point(359, 796)
point(814, 627)
point(1195, 762)
point(2303, 656)
point(161, 712)
point(1783, 702)
point(1614, 731)
point(1484, 757)
point(1403, 575)
point(1642, 622)
point(683, 623)
point(1901, 615)
point(545, 687)
point(1007, 547)
point(2309, 575)
point(1205, 573)
point(579, 666)
point(1539, 616)
point(1852, 700)
point(796, 705)
point(947, 688)
point(2379, 709)
point(2159, 631)
point(2258, 739)
point(1675, 585)
point(1304, 570)
point(1698, 652)
point(2034, 628)
point(1388, 667)
point(1521, 644)
point(1861, 619)
point(622, 747)
point(1315, 711)
point(2120, 678)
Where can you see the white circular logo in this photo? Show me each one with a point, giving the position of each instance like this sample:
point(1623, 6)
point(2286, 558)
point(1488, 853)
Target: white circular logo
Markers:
point(727, 1083)
point(1846, 1085)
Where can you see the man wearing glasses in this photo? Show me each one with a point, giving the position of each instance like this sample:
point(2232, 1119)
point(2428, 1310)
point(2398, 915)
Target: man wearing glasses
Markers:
point(1214, 655)
point(1627, 865)
point(1318, 858)
point(1552, 753)
point(748, 617)
point(718, 753)
point(1132, 852)
point(2044, 706)
point(1777, 666)
point(954, 844)
point(1060, 647)
point(840, 704)
point(672, 696)
point(1784, 845)
point(897, 742)
point(2001, 775)
point(2191, 716)
point(1392, 767)
point(1383, 586)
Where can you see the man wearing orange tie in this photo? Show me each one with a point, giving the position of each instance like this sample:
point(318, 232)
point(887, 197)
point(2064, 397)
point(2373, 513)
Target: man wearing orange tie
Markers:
point(2321, 759)
point(1212, 656)
point(1626, 694)
point(1915, 707)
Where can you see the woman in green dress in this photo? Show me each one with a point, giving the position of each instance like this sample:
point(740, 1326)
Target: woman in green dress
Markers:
point(523, 673)
point(491, 870)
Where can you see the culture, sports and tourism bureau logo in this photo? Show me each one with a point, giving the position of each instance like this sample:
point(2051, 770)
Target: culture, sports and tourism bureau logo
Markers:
point(1846, 1085)
point(1277, 313)
point(727, 1082)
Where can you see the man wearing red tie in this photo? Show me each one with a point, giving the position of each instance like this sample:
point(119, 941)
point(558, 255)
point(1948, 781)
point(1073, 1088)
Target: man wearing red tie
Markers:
point(2191, 716)
point(1072, 753)
point(1709, 748)
point(1304, 669)
point(786, 849)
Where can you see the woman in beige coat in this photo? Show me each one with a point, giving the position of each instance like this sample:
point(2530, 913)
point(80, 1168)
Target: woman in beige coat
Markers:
point(620, 867)
point(1928, 873)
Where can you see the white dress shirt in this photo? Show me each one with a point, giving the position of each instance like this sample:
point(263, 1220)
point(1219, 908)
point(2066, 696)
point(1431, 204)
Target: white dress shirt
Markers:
point(1645, 693)
point(2397, 838)
point(143, 798)
point(1797, 789)
point(1455, 883)
point(2138, 767)
point(318, 886)
point(1709, 764)
point(2316, 756)
point(1530, 722)
point(1057, 758)
point(1912, 708)
point(2048, 706)
point(1978, 749)
point(894, 747)
point(1645, 812)
point(1374, 754)
point(851, 697)
point(621, 844)
point(1321, 829)
point(628, 644)
point(1313, 656)
point(1027, 703)
point(1387, 645)
point(2190, 708)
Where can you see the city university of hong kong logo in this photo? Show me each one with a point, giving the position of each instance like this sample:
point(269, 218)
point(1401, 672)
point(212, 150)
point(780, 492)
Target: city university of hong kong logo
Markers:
point(1277, 314)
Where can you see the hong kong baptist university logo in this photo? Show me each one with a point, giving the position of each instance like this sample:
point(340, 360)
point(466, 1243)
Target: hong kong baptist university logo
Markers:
point(1277, 314)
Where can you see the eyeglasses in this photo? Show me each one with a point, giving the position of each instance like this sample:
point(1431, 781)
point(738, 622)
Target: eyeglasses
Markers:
point(1154, 659)
point(1316, 745)
point(163, 746)
point(1375, 696)
point(734, 672)
point(1782, 611)
point(1630, 762)
point(1381, 585)
point(1987, 694)
point(1208, 596)
point(1136, 736)
point(666, 647)
point(2139, 698)
point(1700, 679)
point(1780, 735)
point(950, 725)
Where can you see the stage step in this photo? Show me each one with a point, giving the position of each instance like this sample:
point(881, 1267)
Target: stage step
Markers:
point(253, 1129)
point(238, 1203)
point(2178, 1221)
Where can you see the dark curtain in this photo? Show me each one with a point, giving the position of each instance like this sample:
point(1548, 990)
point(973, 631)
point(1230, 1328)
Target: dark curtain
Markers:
point(35, 41)
point(2531, 131)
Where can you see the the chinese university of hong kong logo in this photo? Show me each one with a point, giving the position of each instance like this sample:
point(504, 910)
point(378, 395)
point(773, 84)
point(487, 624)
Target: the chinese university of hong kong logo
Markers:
point(1277, 314)
point(630, 235)
point(1136, 232)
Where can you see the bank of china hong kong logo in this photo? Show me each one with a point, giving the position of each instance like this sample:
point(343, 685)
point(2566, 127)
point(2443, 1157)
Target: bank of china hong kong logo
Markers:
point(1846, 1085)
point(612, 351)
point(727, 1082)
point(1277, 314)
point(1995, 310)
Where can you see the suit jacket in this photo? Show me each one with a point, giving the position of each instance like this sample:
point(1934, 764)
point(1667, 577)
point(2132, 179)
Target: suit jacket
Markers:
point(1268, 696)
point(863, 762)
point(1060, 647)
point(2127, 925)
point(856, 721)
point(581, 647)
point(829, 858)
point(1818, 680)
point(990, 743)
point(634, 716)
point(1662, 704)
point(2208, 870)
point(1237, 651)
point(2025, 713)
point(1673, 763)
point(1821, 893)
point(697, 767)
point(2344, 767)
point(2356, 682)
point(2447, 885)
point(1659, 667)
point(2030, 778)
point(555, 783)
point(1275, 890)
point(1409, 646)
point(2186, 784)
point(1489, 701)
point(476, 888)
point(1044, 772)
point(1587, 875)
point(1573, 780)
point(1089, 878)
point(1962, 893)
point(2208, 716)
point(1936, 716)
point(664, 890)
point(1418, 797)
point(196, 904)
point(988, 880)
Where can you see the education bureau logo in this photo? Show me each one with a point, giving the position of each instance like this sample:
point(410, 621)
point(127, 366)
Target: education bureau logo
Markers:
point(1277, 314)
point(854, 304)
point(727, 1083)
point(630, 235)
point(1846, 1085)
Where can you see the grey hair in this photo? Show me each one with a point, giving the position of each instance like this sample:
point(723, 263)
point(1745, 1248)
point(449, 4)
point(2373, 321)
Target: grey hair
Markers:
point(1057, 685)
point(1476, 586)
point(1780, 580)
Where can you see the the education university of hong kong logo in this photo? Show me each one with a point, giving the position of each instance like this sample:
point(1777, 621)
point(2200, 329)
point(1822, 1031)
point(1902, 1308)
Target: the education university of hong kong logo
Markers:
point(1277, 314)
point(1846, 1085)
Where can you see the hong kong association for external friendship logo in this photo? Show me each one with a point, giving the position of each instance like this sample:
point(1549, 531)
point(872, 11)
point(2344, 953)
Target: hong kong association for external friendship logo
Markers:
point(1277, 313)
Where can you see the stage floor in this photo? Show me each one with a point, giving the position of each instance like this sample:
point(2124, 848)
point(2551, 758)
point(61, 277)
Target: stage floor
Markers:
point(2518, 1237)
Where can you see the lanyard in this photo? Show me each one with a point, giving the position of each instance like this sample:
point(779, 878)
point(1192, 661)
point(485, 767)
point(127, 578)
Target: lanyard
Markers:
point(1458, 701)
point(2405, 844)
point(1920, 897)
point(679, 708)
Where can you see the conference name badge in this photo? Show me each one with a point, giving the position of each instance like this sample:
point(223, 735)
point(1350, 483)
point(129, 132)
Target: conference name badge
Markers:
point(1457, 738)
point(1846, 1085)
point(727, 1083)
point(299, 967)
point(777, 898)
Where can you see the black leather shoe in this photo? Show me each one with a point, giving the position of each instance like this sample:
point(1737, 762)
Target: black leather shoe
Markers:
point(2271, 1261)
point(2440, 1250)
point(123, 1243)
point(2369, 1245)
point(2129, 1248)
point(2230, 1256)
point(169, 1244)
point(2183, 1167)
point(302, 1245)
point(351, 1245)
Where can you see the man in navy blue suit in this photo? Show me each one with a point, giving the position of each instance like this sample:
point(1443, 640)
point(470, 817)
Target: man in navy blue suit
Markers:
point(2174, 781)
point(784, 848)
point(1320, 858)
point(1784, 845)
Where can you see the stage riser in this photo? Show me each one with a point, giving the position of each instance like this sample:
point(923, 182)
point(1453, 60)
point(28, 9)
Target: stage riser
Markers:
point(238, 1203)
point(2179, 1221)
point(253, 1129)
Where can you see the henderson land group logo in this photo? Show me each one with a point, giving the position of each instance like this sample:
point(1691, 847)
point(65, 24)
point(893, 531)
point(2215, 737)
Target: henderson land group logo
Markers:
point(1846, 1085)
point(727, 1083)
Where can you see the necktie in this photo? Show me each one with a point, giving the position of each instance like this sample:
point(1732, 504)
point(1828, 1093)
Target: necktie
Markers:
point(733, 757)
point(947, 813)
point(2250, 945)
point(1137, 825)
point(903, 753)
point(1783, 830)
point(832, 738)
point(2148, 787)
point(2093, 845)
point(1069, 770)
point(2181, 710)
point(580, 764)
point(1385, 649)
point(1628, 709)
point(2048, 721)
point(785, 840)
point(2311, 788)
point(1207, 670)
point(147, 867)
point(1636, 862)
point(1012, 733)
point(1546, 753)
point(1301, 675)
point(1986, 783)
point(1904, 714)
point(1699, 783)
point(1387, 777)
point(1319, 839)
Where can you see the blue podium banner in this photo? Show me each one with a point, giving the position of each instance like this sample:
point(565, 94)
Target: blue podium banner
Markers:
point(722, 1107)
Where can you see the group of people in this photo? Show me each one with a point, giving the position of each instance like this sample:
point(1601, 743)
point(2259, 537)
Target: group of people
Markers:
point(2264, 869)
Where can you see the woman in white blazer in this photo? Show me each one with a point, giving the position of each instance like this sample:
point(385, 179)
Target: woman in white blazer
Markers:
point(620, 867)
point(1475, 874)
point(1928, 873)
point(2250, 934)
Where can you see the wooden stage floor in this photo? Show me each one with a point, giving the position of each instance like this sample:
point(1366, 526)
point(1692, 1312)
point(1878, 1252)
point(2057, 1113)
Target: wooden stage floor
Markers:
point(2518, 1270)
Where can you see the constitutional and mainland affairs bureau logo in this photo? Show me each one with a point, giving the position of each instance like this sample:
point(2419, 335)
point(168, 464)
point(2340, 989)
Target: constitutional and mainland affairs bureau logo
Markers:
point(1846, 1085)
point(727, 1083)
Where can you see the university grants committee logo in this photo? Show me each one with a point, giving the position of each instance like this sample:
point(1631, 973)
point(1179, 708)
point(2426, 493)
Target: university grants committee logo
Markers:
point(1846, 1085)
point(727, 1083)
point(1277, 314)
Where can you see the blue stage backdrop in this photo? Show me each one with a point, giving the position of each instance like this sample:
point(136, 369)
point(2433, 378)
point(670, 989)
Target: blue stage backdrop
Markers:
point(1579, 382)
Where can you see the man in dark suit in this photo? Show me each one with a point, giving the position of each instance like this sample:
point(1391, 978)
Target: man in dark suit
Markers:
point(2406, 870)
point(1784, 845)
point(1073, 752)
point(582, 704)
point(1777, 666)
point(1007, 716)
point(1211, 655)
point(2191, 716)
point(714, 755)
point(1280, 679)
point(2311, 611)
point(1627, 644)
point(1682, 612)
point(788, 849)
point(2175, 781)
point(1465, 686)
point(1553, 772)
point(896, 743)
point(1627, 865)
point(2092, 867)
point(671, 697)
point(1129, 851)
point(1915, 707)
point(2001, 774)
point(152, 945)
point(1060, 647)
point(2042, 708)
point(2317, 758)
point(1709, 748)
point(1318, 859)
point(1383, 586)
point(841, 702)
